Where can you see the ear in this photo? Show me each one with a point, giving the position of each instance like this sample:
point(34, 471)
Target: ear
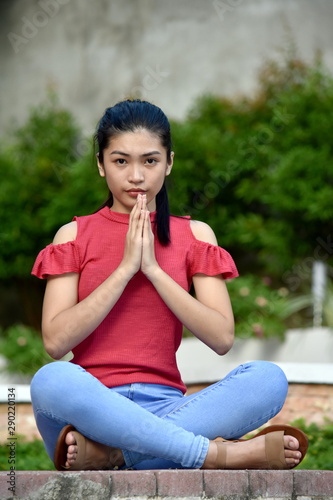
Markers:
point(170, 164)
point(100, 166)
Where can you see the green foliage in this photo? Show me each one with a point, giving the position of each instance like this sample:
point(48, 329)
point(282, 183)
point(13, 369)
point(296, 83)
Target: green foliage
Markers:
point(23, 349)
point(260, 171)
point(29, 455)
point(259, 309)
point(304, 304)
point(47, 182)
point(31, 161)
point(319, 455)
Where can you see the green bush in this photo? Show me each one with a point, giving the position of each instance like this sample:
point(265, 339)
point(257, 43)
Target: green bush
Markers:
point(49, 179)
point(29, 455)
point(260, 171)
point(259, 310)
point(23, 349)
point(33, 156)
point(319, 456)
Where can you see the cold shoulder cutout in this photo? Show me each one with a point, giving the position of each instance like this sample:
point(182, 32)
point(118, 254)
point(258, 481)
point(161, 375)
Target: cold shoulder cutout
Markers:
point(211, 260)
point(95, 254)
point(68, 232)
point(57, 259)
point(202, 231)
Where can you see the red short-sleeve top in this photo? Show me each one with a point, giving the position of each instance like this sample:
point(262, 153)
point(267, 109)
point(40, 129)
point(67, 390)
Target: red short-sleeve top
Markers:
point(138, 340)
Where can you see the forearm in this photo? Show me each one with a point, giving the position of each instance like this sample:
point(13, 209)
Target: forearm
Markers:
point(66, 321)
point(74, 324)
point(210, 325)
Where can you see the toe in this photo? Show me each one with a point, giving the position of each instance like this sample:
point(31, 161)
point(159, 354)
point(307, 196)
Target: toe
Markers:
point(70, 439)
point(291, 443)
point(293, 454)
point(72, 449)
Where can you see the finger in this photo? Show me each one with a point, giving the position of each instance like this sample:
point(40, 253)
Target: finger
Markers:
point(138, 205)
point(147, 230)
point(144, 202)
point(135, 213)
point(138, 217)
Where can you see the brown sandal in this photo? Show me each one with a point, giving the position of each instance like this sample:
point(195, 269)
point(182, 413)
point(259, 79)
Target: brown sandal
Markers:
point(90, 456)
point(274, 448)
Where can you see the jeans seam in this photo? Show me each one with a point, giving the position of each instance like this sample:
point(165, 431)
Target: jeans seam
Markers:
point(198, 396)
point(52, 416)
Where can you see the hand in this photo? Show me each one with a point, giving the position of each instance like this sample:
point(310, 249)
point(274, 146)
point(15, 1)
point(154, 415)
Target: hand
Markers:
point(131, 261)
point(148, 260)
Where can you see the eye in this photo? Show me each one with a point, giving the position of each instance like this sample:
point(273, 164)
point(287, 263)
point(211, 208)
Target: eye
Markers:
point(120, 161)
point(151, 161)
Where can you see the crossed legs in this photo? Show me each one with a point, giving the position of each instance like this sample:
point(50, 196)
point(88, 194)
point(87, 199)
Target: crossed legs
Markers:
point(156, 426)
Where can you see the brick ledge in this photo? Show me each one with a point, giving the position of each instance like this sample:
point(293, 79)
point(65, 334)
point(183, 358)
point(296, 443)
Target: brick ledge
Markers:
point(159, 484)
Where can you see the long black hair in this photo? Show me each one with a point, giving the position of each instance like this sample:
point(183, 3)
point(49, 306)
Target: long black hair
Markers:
point(129, 116)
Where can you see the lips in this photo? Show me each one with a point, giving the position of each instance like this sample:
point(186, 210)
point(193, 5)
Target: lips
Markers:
point(135, 192)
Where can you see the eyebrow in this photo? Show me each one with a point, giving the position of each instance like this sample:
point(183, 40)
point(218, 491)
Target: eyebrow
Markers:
point(151, 153)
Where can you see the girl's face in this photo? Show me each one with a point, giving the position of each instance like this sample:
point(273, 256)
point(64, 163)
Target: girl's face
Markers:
point(134, 162)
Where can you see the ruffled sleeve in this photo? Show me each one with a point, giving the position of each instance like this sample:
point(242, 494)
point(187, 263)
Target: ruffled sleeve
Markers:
point(57, 259)
point(210, 259)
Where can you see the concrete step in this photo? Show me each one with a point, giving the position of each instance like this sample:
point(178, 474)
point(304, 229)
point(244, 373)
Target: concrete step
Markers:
point(167, 484)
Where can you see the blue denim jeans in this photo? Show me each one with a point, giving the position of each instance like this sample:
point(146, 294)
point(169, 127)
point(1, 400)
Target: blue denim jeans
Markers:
point(155, 426)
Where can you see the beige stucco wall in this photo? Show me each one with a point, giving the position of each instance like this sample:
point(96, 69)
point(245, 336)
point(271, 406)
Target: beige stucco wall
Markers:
point(93, 53)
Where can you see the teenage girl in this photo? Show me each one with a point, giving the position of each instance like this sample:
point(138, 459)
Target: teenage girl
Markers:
point(117, 296)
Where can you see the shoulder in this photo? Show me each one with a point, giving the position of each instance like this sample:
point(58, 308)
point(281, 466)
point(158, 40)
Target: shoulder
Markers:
point(203, 232)
point(66, 233)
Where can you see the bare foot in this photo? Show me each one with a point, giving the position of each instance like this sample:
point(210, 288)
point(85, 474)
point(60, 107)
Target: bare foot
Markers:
point(72, 449)
point(114, 455)
point(251, 454)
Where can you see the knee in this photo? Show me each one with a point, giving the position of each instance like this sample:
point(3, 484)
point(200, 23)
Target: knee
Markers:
point(272, 377)
point(49, 379)
point(48, 372)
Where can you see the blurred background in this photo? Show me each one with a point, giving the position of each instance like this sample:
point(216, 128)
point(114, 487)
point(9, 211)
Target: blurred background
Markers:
point(247, 85)
point(93, 54)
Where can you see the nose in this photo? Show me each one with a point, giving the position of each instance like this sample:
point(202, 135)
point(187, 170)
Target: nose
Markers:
point(136, 174)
